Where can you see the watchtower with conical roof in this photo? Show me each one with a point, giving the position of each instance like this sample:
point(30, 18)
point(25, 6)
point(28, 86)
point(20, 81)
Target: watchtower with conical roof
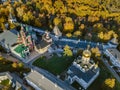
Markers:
point(11, 18)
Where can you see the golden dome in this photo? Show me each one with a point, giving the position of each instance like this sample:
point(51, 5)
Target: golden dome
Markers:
point(86, 53)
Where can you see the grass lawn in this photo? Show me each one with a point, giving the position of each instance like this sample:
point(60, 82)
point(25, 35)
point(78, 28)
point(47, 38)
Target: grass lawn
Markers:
point(104, 74)
point(55, 65)
point(5, 82)
point(6, 65)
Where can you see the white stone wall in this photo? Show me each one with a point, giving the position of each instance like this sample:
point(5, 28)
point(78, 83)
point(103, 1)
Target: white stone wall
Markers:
point(114, 60)
point(33, 85)
point(3, 78)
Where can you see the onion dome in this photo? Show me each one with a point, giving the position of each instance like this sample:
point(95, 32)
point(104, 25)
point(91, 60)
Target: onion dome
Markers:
point(46, 37)
point(87, 52)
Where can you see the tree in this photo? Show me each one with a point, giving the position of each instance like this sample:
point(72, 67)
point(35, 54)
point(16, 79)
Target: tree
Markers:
point(109, 83)
point(2, 24)
point(25, 18)
point(21, 11)
point(12, 25)
point(96, 51)
point(77, 33)
point(115, 35)
point(38, 5)
point(68, 25)
point(67, 51)
point(60, 7)
point(69, 35)
point(37, 22)
point(101, 35)
point(20, 65)
point(56, 21)
point(28, 16)
point(106, 36)
point(14, 65)
point(1, 58)
point(82, 26)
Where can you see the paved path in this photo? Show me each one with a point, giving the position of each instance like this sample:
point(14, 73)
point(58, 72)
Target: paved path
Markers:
point(51, 77)
point(17, 78)
point(9, 57)
point(54, 79)
point(48, 75)
point(111, 69)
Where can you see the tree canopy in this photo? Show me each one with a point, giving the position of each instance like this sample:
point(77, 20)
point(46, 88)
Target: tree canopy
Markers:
point(78, 17)
point(67, 51)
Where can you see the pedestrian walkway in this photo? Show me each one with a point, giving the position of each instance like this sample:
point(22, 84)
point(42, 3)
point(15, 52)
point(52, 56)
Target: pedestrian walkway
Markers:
point(9, 57)
point(111, 69)
point(54, 79)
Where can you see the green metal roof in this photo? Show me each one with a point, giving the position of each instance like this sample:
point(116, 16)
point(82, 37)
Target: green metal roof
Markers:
point(20, 48)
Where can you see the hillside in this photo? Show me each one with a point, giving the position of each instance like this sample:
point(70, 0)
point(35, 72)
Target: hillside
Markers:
point(95, 20)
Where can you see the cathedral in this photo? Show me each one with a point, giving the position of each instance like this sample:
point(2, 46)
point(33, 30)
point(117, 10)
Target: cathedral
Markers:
point(28, 41)
point(83, 70)
point(24, 37)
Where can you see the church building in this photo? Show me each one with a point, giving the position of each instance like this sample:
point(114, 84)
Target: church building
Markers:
point(42, 45)
point(83, 70)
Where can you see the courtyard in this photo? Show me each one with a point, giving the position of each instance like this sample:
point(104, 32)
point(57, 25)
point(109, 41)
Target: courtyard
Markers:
point(55, 64)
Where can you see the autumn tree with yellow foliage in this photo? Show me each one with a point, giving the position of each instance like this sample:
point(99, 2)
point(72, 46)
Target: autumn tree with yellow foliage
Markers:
point(109, 84)
point(82, 26)
point(68, 25)
point(108, 35)
point(96, 51)
point(77, 33)
point(2, 23)
point(56, 21)
point(69, 15)
point(69, 35)
point(20, 65)
point(67, 51)
point(1, 58)
point(14, 65)
point(28, 16)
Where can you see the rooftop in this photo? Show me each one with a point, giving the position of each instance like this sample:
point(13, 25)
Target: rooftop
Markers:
point(20, 48)
point(87, 53)
point(9, 37)
point(86, 76)
point(80, 44)
point(42, 44)
point(115, 53)
point(42, 82)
